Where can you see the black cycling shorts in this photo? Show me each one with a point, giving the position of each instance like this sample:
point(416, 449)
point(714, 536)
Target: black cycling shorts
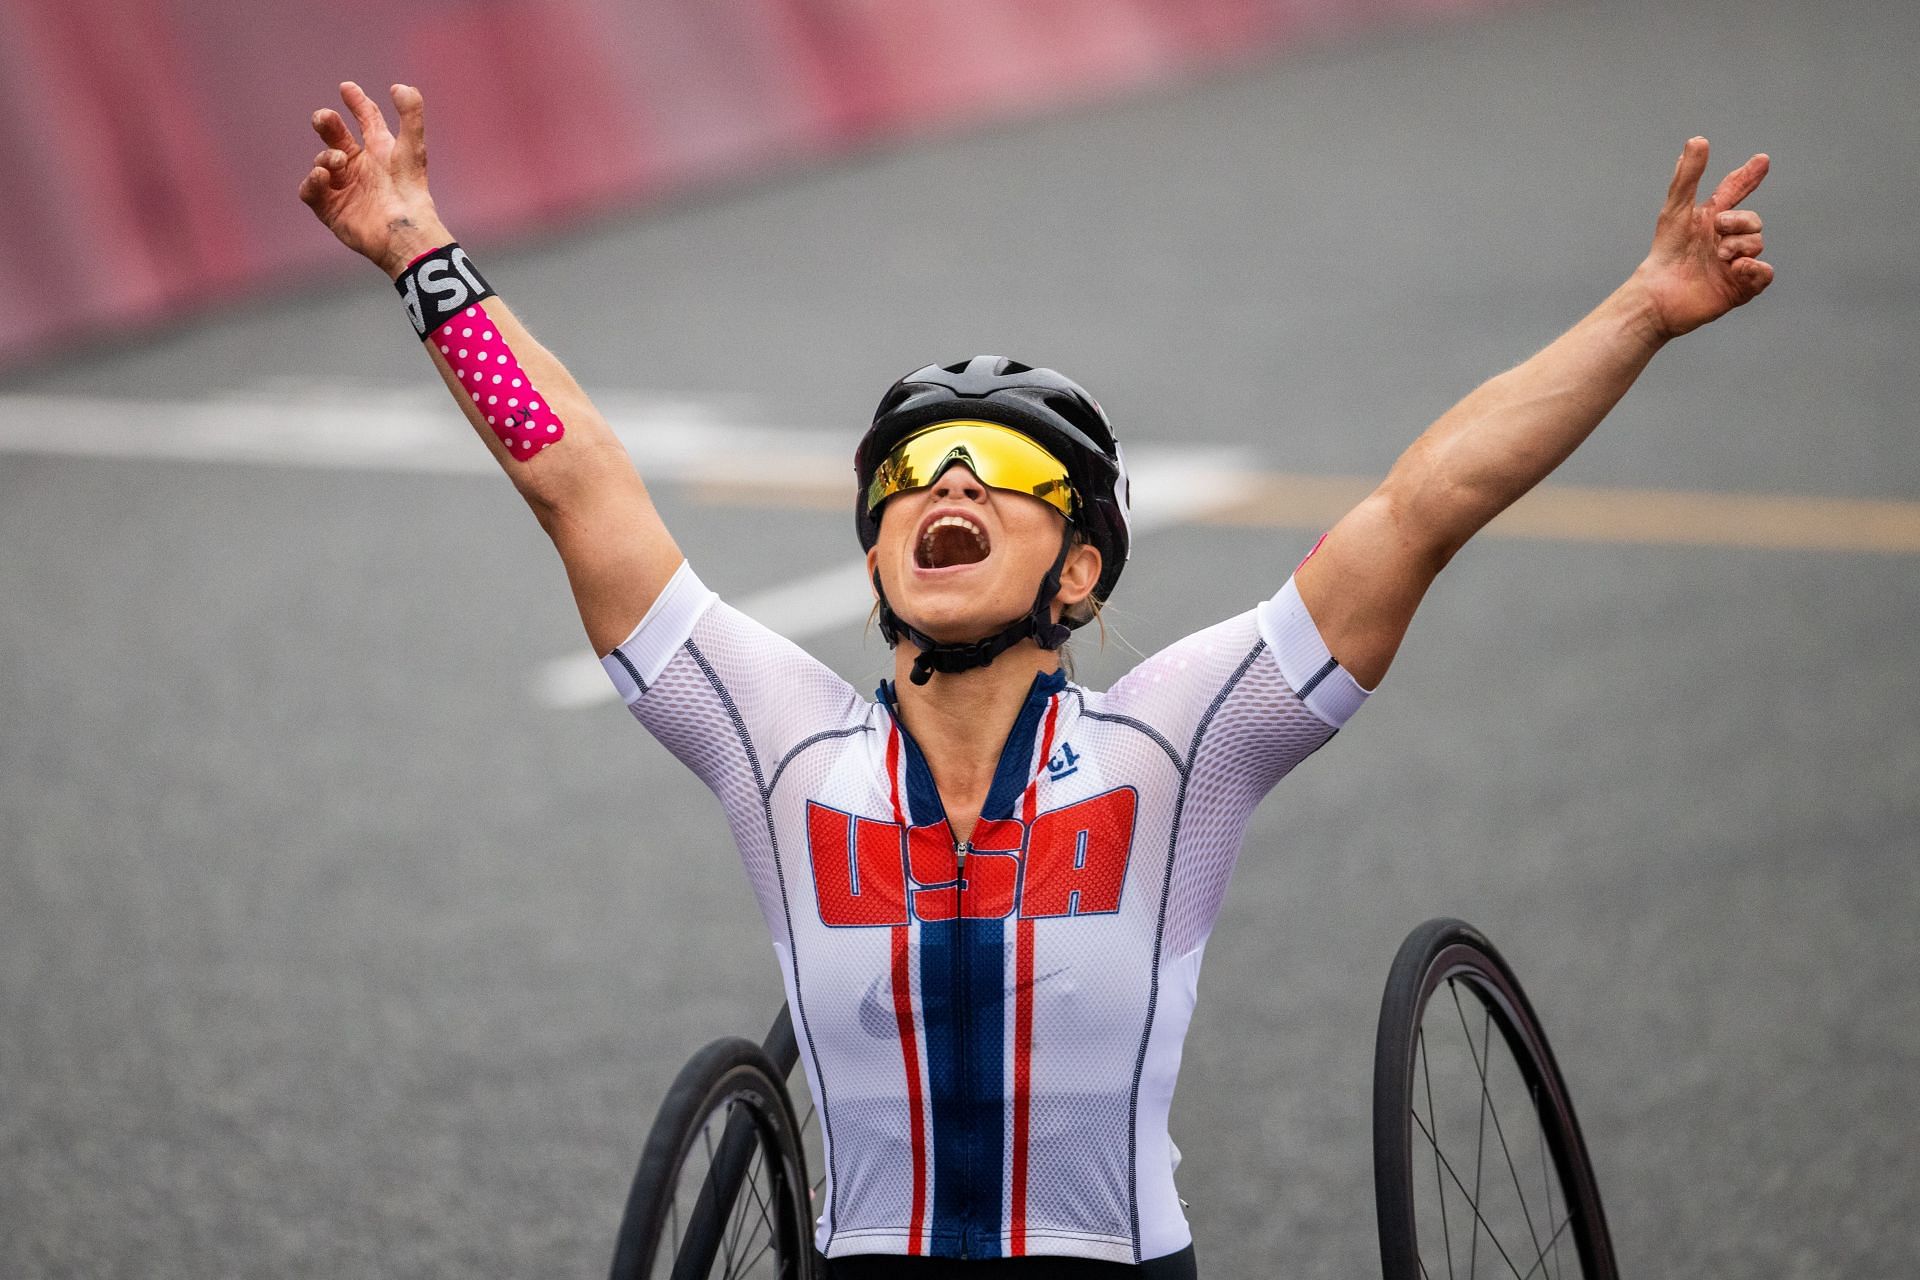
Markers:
point(891, 1266)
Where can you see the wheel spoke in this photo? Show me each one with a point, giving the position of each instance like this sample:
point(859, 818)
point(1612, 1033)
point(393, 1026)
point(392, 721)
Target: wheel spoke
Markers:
point(734, 1115)
point(1500, 1132)
point(1480, 1138)
point(745, 1265)
point(766, 1210)
point(738, 1211)
point(752, 1188)
point(1553, 1243)
point(1491, 1234)
point(1440, 1187)
point(761, 1253)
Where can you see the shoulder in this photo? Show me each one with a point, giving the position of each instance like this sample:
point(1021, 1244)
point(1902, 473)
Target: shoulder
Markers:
point(694, 655)
point(1272, 651)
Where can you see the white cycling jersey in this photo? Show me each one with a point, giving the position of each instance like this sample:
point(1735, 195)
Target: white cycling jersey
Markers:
point(991, 1030)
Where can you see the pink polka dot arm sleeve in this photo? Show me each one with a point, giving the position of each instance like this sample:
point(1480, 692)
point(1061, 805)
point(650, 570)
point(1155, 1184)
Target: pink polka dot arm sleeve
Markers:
point(500, 388)
point(443, 293)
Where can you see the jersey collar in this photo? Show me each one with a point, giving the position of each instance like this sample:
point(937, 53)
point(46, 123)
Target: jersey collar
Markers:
point(1010, 775)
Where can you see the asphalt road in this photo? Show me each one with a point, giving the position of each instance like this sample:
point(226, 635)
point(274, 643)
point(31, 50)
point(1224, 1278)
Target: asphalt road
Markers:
point(328, 948)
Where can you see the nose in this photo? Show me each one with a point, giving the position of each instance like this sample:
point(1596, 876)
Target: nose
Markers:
point(958, 481)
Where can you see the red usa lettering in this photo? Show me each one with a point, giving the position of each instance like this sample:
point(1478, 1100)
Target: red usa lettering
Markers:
point(1070, 861)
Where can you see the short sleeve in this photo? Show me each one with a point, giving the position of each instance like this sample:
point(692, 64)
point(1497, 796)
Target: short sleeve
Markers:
point(722, 692)
point(1240, 704)
point(1310, 670)
point(636, 662)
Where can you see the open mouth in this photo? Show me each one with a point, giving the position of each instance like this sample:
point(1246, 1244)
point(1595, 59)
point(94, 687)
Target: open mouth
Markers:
point(949, 542)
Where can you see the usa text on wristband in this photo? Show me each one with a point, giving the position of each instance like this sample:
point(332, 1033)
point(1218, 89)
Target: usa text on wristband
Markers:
point(438, 286)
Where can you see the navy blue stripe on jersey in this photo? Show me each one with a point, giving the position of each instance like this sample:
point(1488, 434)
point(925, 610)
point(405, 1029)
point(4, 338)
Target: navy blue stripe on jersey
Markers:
point(946, 1083)
point(984, 982)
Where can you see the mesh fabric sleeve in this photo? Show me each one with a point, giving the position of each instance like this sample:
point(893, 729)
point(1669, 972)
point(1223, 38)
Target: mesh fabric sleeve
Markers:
point(729, 698)
point(1238, 704)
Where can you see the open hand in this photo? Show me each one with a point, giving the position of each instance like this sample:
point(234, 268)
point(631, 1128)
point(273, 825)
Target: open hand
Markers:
point(372, 194)
point(1706, 257)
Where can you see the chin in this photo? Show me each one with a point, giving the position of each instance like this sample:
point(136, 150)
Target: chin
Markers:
point(954, 619)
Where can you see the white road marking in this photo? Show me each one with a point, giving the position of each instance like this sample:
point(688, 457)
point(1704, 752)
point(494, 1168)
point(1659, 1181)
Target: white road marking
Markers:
point(714, 444)
point(721, 449)
point(381, 429)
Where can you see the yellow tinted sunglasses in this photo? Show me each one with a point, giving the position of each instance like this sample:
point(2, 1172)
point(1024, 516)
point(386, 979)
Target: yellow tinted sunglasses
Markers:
point(1001, 457)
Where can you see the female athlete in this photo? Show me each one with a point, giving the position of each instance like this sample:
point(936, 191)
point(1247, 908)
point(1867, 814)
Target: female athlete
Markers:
point(989, 890)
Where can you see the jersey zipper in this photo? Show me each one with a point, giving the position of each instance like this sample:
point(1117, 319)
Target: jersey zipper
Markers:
point(961, 1038)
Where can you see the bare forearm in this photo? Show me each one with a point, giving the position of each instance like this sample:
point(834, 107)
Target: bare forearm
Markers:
point(584, 452)
point(1372, 569)
point(1514, 429)
point(566, 462)
point(371, 192)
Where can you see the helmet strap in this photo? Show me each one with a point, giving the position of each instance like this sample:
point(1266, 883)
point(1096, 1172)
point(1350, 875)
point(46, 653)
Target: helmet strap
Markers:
point(941, 655)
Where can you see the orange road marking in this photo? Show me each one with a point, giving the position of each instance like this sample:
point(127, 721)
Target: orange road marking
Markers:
point(1561, 513)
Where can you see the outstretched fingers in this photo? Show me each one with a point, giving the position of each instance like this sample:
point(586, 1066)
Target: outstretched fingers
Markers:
point(1739, 184)
point(373, 125)
point(313, 186)
point(1686, 176)
point(333, 130)
point(329, 171)
point(412, 106)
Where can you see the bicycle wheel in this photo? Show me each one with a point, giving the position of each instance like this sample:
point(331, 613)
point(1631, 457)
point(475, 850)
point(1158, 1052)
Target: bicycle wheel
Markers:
point(721, 1189)
point(1477, 1156)
point(784, 1050)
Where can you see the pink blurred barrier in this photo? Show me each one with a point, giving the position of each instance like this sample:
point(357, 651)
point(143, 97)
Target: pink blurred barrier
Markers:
point(153, 146)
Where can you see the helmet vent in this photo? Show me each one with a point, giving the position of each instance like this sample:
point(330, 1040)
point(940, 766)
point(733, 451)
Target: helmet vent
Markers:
point(1068, 407)
point(960, 367)
point(1014, 366)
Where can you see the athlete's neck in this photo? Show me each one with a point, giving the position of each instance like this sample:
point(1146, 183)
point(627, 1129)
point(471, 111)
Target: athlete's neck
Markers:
point(961, 721)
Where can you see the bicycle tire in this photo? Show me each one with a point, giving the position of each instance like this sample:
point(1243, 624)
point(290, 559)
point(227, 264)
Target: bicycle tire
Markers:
point(1450, 955)
point(783, 1047)
point(674, 1226)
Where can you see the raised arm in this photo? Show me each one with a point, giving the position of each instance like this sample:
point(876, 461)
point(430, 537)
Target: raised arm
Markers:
point(553, 444)
point(1367, 577)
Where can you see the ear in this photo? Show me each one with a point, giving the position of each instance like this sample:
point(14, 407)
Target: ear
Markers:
point(1080, 575)
point(873, 565)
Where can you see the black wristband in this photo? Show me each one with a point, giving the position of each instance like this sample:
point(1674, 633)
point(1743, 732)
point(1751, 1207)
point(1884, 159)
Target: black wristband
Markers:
point(440, 285)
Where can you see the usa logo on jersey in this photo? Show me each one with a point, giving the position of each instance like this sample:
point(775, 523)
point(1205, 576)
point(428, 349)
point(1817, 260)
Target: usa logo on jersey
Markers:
point(1070, 861)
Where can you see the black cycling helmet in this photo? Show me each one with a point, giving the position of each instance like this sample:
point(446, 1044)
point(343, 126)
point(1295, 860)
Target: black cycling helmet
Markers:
point(1056, 413)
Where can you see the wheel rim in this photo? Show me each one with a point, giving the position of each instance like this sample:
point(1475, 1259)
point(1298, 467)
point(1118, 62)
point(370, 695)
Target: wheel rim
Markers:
point(811, 1144)
point(747, 1241)
point(1490, 1164)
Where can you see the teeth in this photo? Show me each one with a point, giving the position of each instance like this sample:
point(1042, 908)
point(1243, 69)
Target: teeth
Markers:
point(955, 522)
